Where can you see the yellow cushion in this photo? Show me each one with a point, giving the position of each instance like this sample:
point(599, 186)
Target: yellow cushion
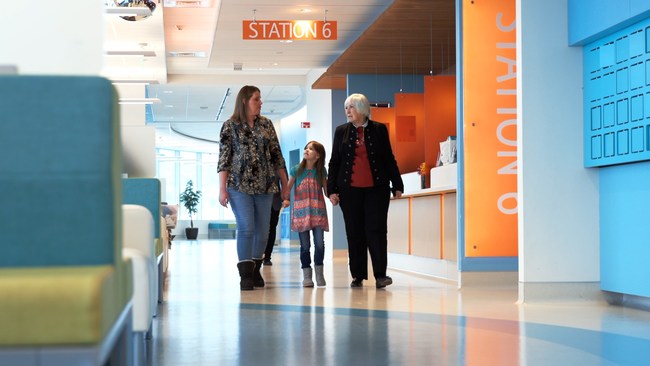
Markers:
point(159, 246)
point(61, 305)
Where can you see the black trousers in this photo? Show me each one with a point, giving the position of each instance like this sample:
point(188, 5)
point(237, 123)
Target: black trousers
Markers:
point(275, 215)
point(365, 212)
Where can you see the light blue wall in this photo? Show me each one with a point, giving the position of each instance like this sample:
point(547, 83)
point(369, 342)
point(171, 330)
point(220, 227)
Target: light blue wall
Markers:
point(625, 228)
point(624, 192)
point(593, 19)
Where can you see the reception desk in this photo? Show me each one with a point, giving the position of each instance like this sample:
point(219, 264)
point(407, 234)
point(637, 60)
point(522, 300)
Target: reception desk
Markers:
point(422, 227)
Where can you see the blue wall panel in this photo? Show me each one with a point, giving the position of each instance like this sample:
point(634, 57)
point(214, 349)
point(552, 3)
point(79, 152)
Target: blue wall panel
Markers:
point(616, 79)
point(594, 19)
point(382, 88)
point(624, 228)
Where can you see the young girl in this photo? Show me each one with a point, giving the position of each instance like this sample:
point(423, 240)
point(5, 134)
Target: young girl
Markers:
point(309, 212)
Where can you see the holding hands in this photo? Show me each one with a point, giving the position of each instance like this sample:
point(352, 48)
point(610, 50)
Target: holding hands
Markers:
point(286, 194)
point(334, 198)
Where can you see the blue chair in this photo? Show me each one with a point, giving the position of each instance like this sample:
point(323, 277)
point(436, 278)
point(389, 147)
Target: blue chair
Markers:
point(65, 289)
point(146, 192)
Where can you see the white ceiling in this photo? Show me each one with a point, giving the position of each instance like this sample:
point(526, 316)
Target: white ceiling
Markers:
point(197, 44)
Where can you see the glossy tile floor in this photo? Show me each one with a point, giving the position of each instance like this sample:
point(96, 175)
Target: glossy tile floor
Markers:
point(206, 320)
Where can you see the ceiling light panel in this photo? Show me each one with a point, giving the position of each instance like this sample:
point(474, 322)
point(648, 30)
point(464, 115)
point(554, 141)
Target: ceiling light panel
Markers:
point(145, 53)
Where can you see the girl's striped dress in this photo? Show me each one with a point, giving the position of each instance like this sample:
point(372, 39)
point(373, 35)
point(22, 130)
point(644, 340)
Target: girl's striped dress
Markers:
point(309, 209)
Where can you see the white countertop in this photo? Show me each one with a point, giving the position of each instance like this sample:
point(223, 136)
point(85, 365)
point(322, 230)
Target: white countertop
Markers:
point(441, 179)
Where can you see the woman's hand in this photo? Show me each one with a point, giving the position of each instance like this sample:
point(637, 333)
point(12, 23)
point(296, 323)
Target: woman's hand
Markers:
point(398, 194)
point(286, 193)
point(224, 198)
point(334, 198)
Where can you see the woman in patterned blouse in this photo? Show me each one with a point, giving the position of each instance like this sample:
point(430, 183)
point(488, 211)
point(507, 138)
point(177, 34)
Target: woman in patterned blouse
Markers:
point(249, 159)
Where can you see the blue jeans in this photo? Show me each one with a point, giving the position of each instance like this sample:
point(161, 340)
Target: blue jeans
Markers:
point(252, 213)
point(305, 245)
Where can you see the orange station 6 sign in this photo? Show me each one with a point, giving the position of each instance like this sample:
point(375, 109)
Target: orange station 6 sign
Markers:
point(289, 30)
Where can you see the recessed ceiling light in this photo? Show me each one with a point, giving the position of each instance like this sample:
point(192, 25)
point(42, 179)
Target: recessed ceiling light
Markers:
point(187, 4)
point(186, 54)
point(305, 10)
point(286, 41)
point(139, 100)
point(144, 53)
point(129, 11)
point(133, 81)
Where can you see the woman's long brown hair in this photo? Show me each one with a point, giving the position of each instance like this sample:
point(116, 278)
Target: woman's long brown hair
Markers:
point(240, 113)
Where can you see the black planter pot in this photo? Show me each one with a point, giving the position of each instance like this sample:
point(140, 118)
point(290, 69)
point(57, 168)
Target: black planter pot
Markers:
point(191, 232)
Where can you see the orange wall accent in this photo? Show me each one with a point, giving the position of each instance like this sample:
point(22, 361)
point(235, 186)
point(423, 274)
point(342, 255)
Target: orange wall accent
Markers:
point(490, 135)
point(410, 153)
point(440, 114)
point(387, 117)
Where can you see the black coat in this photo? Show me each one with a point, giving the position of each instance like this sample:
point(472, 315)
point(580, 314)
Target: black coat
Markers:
point(383, 165)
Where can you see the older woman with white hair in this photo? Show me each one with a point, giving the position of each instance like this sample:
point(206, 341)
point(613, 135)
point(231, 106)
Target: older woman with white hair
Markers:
point(362, 174)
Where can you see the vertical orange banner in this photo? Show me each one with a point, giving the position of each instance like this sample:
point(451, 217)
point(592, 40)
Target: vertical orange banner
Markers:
point(490, 128)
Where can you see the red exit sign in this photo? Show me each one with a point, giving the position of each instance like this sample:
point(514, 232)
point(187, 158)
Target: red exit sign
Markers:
point(305, 124)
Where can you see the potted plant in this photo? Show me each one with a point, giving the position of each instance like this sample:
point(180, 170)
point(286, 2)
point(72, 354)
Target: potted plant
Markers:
point(190, 200)
point(422, 171)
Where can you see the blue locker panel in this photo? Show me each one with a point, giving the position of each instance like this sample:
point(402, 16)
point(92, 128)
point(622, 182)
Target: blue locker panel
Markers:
point(617, 97)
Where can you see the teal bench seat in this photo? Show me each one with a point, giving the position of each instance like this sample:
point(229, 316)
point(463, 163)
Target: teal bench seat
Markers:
point(65, 289)
point(222, 230)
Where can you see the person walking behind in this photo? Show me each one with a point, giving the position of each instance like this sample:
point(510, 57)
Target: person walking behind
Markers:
point(275, 216)
point(249, 161)
point(361, 171)
point(309, 213)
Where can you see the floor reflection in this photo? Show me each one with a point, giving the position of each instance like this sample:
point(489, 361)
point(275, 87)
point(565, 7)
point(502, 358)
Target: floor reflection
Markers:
point(206, 320)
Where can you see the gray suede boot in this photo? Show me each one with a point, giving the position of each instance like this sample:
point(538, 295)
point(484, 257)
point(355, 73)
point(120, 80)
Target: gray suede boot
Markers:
point(306, 278)
point(320, 279)
point(246, 274)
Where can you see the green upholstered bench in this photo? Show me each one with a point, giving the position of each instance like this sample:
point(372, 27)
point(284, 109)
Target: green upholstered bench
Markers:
point(65, 288)
point(55, 306)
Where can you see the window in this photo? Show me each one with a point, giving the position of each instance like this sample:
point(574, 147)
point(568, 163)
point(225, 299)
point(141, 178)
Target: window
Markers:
point(174, 168)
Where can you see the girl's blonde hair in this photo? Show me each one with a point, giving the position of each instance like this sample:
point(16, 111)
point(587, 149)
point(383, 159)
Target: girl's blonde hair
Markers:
point(320, 163)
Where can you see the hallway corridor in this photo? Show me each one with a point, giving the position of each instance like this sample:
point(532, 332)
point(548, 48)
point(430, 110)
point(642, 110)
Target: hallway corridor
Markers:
point(206, 320)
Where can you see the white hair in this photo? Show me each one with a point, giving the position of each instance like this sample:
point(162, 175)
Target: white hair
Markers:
point(360, 103)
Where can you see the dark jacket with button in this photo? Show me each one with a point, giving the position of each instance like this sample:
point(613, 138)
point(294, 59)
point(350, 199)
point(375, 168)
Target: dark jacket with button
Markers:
point(383, 165)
